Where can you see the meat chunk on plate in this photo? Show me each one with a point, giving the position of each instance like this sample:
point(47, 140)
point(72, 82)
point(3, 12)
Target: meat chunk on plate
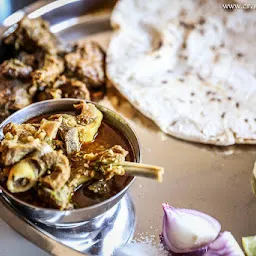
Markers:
point(45, 76)
point(65, 88)
point(34, 60)
point(14, 83)
point(13, 95)
point(14, 68)
point(73, 88)
point(31, 35)
point(87, 61)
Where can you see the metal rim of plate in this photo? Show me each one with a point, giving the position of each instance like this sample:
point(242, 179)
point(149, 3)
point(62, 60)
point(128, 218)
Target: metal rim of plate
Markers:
point(100, 237)
point(65, 15)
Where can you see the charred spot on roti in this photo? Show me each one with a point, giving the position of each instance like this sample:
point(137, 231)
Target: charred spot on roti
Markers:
point(164, 82)
point(229, 98)
point(223, 115)
point(201, 20)
point(160, 43)
point(237, 105)
point(173, 123)
point(200, 77)
point(187, 25)
point(183, 12)
point(210, 93)
point(239, 55)
point(192, 94)
point(246, 120)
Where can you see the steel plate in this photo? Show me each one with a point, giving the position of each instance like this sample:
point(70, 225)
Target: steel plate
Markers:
point(215, 180)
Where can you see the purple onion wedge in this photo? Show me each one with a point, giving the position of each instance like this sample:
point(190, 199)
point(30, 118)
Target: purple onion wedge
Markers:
point(224, 245)
point(186, 231)
point(192, 233)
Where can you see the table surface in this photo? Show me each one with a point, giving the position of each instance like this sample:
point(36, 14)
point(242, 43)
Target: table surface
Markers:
point(12, 244)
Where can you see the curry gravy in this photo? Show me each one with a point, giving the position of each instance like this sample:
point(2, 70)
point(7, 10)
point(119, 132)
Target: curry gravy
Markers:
point(106, 137)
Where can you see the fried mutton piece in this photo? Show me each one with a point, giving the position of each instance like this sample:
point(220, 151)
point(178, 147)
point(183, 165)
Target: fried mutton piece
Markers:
point(13, 95)
point(73, 88)
point(45, 76)
point(33, 60)
point(14, 83)
point(65, 88)
point(14, 68)
point(87, 61)
point(31, 35)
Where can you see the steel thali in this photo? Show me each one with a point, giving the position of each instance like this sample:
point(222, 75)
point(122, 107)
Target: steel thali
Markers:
point(207, 178)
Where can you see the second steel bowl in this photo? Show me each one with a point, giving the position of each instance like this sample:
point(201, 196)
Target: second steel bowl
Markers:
point(74, 217)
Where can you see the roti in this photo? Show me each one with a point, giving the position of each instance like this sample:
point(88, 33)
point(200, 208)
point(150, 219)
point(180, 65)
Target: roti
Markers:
point(187, 65)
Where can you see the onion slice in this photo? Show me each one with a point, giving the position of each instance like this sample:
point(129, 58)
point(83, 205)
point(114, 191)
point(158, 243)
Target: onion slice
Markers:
point(186, 231)
point(224, 245)
point(253, 180)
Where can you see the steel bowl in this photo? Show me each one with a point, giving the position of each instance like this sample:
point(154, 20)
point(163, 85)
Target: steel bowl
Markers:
point(79, 216)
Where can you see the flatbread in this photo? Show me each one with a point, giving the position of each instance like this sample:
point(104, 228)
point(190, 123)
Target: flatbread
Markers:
point(189, 66)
